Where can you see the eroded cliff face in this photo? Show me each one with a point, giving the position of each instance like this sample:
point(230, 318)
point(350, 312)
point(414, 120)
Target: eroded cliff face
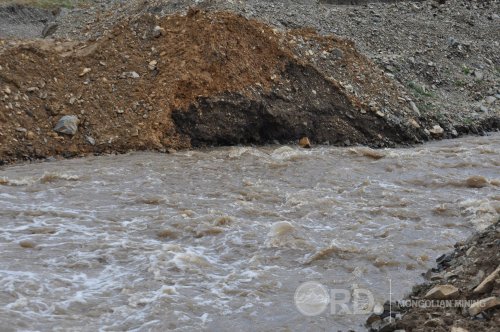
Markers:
point(191, 80)
point(306, 104)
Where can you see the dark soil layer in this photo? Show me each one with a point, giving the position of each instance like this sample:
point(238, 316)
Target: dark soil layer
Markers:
point(472, 264)
point(287, 114)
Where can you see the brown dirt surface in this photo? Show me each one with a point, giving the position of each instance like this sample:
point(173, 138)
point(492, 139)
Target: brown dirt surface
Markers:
point(196, 57)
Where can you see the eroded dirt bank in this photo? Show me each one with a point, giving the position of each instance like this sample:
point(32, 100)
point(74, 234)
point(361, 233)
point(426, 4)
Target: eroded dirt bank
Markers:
point(203, 78)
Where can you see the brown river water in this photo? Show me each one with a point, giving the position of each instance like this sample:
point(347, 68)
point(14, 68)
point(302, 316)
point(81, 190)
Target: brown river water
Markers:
point(220, 239)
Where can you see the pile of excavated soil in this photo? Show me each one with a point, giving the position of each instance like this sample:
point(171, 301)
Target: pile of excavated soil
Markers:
point(193, 80)
point(445, 54)
point(470, 301)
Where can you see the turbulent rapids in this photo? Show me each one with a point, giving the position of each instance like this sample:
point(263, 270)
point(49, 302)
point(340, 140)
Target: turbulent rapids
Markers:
point(221, 238)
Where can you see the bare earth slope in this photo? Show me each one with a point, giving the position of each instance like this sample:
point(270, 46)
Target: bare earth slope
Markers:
point(198, 79)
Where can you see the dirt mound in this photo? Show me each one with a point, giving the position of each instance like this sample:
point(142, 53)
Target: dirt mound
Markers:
point(239, 78)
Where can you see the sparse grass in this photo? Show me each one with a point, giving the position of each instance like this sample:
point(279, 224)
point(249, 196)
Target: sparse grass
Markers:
point(460, 83)
point(425, 107)
point(46, 4)
point(467, 121)
point(466, 70)
point(418, 89)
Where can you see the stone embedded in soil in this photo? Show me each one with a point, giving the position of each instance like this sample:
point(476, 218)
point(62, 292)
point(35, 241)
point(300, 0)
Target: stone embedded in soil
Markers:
point(483, 305)
point(442, 292)
point(488, 282)
point(414, 108)
point(305, 143)
point(85, 70)
point(129, 74)
point(90, 140)
point(158, 31)
point(68, 124)
point(458, 329)
point(436, 130)
point(152, 65)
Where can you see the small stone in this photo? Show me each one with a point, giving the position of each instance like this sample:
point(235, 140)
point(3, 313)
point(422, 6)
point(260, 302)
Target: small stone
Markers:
point(152, 65)
point(414, 108)
point(487, 283)
point(470, 250)
point(458, 329)
point(452, 41)
point(483, 108)
point(85, 71)
point(484, 304)
point(32, 89)
point(414, 123)
point(305, 143)
point(68, 124)
point(337, 53)
point(476, 280)
point(120, 111)
point(158, 31)
point(30, 135)
point(434, 322)
point(129, 74)
point(436, 130)
point(380, 113)
point(21, 129)
point(478, 75)
point(490, 100)
point(372, 319)
point(450, 275)
point(442, 292)
point(90, 140)
point(7, 90)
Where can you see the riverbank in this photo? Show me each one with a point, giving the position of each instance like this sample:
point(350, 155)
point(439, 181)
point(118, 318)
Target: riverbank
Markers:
point(163, 76)
point(158, 77)
point(461, 293)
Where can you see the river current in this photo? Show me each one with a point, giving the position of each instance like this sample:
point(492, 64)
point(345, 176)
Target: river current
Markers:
point(220, 239)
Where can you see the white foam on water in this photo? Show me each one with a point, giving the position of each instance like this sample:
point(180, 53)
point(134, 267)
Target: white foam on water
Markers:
point(221, 238)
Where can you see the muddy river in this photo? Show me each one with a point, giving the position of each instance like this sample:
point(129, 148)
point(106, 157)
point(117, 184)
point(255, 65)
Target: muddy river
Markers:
point(220, 239)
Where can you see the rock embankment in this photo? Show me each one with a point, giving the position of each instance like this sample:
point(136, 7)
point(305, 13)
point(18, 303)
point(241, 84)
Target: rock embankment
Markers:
point(203, 78)
point(462, 293)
